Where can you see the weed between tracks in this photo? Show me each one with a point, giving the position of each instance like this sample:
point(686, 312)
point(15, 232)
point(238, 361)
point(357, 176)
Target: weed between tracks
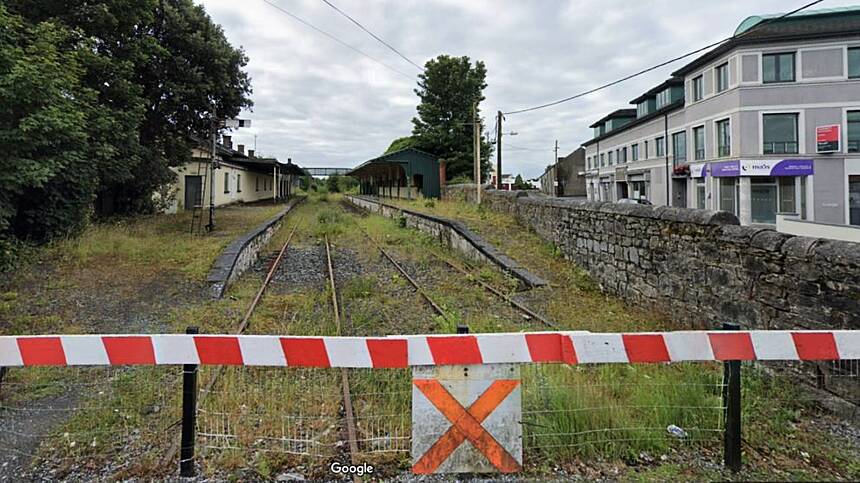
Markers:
point(601, 421)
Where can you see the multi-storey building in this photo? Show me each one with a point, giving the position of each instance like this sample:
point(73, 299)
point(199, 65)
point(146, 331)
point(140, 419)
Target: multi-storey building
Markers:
point(766, 123)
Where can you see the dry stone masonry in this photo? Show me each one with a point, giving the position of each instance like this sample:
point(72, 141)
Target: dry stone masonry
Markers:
point(700, 266)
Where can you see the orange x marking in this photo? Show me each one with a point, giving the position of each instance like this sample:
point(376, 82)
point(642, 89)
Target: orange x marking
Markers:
point(466, 424)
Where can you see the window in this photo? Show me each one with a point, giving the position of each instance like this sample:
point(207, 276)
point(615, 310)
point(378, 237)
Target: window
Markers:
point(779, 133)
point(729, 195)
point(661, 146)
point(602, 159)
point(777, 68)
point(853, 131)
point(722, 75)
point(787, 195)
point(700, 193)
point(639, 189)
point(724, 138)
point(634, 152)
point(664, 98)
point(623, 158)
point(646, 150)
point(226, 182)
point(698, 89)
point(238, 183)
point(257, 185)
point(610, 158)
point(679, 147)
point(699, 142)
point(854, 200)
point(854, 63)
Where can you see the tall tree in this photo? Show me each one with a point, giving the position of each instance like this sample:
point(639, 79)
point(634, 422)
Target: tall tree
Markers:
point(402, 143)
point(449, 88)
point(142, 77)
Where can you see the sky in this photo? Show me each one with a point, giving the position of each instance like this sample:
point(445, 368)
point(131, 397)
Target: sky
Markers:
point(321, 103)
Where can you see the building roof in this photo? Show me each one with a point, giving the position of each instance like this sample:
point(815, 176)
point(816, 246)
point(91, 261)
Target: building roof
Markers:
point(254, 163)
point(614, 114)
point(672, 81)
point(804, 25)
point(638, 121)
point(393, 158)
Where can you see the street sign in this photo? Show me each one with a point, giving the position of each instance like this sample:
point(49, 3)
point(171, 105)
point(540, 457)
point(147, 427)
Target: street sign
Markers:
point(827, 138)
point(235, 123)
point(466, 419)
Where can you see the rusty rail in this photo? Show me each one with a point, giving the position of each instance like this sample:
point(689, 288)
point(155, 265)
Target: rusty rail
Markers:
point(498, 293)
point(243, 324)
point(344, 376)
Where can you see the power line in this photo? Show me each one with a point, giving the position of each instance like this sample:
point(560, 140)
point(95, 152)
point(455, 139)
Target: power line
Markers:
point(662, 64)
point(362, 27)
point(341, 42)
point(521, 148)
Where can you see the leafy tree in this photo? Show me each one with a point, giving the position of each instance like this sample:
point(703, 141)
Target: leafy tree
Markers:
point(519, 184)
point(333, 183)
point(402, 143)
point(101, 98)
point(449, 88)
point(45, 176)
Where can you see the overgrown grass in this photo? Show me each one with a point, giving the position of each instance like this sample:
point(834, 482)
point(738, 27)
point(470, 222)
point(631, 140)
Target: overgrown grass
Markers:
point(162, 242)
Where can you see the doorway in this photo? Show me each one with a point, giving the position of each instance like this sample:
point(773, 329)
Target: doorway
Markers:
point(622, 190)
point(679, 192)
point(193, 192)
point(854, 199)
point(763, 200)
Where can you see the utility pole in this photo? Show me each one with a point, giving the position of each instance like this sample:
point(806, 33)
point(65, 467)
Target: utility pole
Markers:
point(476, 129)
point(499, 151)
point(557, 170)
point(211, 226)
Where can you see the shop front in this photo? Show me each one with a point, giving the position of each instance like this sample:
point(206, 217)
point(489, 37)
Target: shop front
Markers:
point(756, 190)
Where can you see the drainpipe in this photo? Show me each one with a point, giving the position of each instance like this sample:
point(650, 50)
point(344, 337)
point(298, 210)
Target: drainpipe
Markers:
point(597, 162)
point(666, 153)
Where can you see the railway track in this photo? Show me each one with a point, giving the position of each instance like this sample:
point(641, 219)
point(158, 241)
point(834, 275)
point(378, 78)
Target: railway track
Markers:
point(349, 432)
point(457, 268)
point(240, 328)
point(344, 375)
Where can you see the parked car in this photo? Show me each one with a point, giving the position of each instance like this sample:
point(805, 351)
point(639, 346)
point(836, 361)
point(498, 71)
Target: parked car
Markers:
point(631, 201)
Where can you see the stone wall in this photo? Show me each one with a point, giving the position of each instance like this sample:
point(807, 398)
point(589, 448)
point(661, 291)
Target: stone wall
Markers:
point(700, 266)
point(242, 252)
point(452, 234)
point(459, 192)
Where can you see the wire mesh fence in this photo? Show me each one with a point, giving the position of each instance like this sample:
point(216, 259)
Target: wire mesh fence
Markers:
point(69, 422)
point(120, 421)
point(620, 410)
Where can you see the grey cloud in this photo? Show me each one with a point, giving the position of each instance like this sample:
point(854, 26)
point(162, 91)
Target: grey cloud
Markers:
point(322, 104)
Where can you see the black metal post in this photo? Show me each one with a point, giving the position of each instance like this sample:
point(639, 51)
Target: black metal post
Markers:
point(732, 404)
point(462, 329)
point(189, 415)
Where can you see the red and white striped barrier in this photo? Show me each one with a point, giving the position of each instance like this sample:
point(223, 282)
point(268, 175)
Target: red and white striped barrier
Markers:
point(423, 350)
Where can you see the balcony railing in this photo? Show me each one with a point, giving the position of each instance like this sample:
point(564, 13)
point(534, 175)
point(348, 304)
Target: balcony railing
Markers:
point(700, 153)
point(782, 147)
point(854, 146)
point(723, 151)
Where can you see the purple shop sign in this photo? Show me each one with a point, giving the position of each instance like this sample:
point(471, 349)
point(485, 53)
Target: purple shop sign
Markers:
point(793, 167)
point(725, 169)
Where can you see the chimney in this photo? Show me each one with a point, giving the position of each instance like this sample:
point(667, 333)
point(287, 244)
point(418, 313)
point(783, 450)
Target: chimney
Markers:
point(227, 141)
point(250, 153)
point(241, 148)
point(441, 174)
